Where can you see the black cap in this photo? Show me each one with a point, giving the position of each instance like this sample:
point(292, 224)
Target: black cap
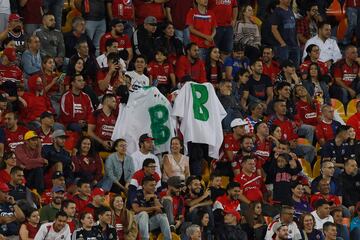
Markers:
point(57, 175)
point(145, 137)
point(191, 178)
point(287, 63)
point(175, 181)
point(321, 202)
point(47, 114)
point(116, 21)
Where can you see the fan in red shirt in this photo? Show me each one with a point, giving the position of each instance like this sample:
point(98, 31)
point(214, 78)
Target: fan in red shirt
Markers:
point(313, 54)
point(98, 200)
point(14, 133)
point(121, 9)
point(271, 68)
point(190, 67)
point(324, 193)
point(46, 128)
point(354, 121)
point(57, 180)
point(307, 110)
point(83, 197)
point(326, 128)
point(230, 200)
point(117, 33)
point(251, 184)
point(145, 8)
point(69, 207)
point(263, 146)
point(202, 25)
point(76, 106)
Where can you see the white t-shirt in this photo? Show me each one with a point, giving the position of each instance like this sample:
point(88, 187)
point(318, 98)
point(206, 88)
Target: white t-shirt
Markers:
point(138, 80)
point(138, 159)
point(46, 232)
point(320, 222)
point(5, 7)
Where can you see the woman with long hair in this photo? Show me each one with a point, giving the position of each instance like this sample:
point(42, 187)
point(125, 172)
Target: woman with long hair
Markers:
point(354, 144)
point(31, 226)
point(203, 221)
point(307, 228)
point(307, 109)
point(275, 135)
point(87, 229)
point(313, 54)
point(72, 70)
point(122, 219)
point(87, 162)
point(214, 67)
point(8, 162)
point(254, 223)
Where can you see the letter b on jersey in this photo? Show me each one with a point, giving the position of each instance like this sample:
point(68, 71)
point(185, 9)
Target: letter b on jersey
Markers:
point(159, 115)
point(200, 97)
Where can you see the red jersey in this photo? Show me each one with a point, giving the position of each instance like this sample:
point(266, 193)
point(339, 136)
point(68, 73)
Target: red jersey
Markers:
point(32, 231)
point(272, 70)
point(354, 121)
point(287, 127)
point(5, 177)
point(229, 144)
point(124, 41)
point(12, 139)
point(144, 9)
point(223, 10)
point(161, 72)
point(123, 9)
point(91, 165)
point(307, 113)
point(326, 130)
point(304, 67)
point(347, 73)
point(178, 204)
point(80, 203)
point(204, 23)
point(185, 68)
point(36, 105)
point(225, 203)
point(252, 186)
point(47, 79)
point(236, 163)
point(114, 81)
point(262, 150)
point(119, 226)
point(139, 176)
point(75, 108)
point(11, 73)
point(104, 125)
point(331, 198)
point(46, 139)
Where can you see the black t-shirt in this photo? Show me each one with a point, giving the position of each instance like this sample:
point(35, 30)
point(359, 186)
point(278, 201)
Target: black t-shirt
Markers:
point(19, 41)
point(93, 234)
point(11, 228)
point(257, 89)
point(285, 20)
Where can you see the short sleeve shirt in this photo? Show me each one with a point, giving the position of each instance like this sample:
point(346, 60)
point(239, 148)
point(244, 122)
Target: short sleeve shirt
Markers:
point(258, 88)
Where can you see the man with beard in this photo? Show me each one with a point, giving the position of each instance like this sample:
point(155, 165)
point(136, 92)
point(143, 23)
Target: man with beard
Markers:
point(59, 229)
point(51, 40)
point(246, 149)
point(271, 68)
point(15, 32)
point(117, 33)
point(196, 199)
point(17, 188)
point(351, 184)
point(48, 212)
point(282, 232)
point(263, 146)
point(14, 133)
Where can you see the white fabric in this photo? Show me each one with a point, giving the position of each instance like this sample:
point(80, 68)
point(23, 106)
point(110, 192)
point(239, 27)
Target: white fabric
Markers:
point(138, 159)
point(134, 120)
point(294, 232)
point(138, 80)
point(46, 232)
point(329, 50)
point(102, 61)
point(320, 222)
point(197, 131)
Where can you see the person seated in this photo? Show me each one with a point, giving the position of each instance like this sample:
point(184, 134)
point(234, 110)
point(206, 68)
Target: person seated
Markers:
point(246, 150)
point(215, 185)
point(230, 229)
point(271, 67)
point(149, 211)
point(322, 213)
point(14, 133)
point(29, 157)
point(31, 59)
point(87, 229)
point(143, 40)
point(324, 193)
point(17, 188)
point(69, 207)
point(57, 180)
point(288, 73)
point(254, 223)
point(350, 178)
point(57, 229)
point(46, 129)
point(7, 163)
point(31, 226)
point(112, 46)
point(355, 224)
point(341, 229)
point(313, 54)
point(326, 128)
point(83, 196)
point(354, 121)
point(48, 212)
point(235, 62)
point(87, 163)
point(299, 199)
point(137, 76)
point(97, 201)
point(307, 227)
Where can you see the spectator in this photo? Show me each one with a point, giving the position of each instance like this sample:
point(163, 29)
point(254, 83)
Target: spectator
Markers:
point(29, 157)
point(271, 68)
point(354, 144)
point(14, 31)
point(7, 163)
point(59, 159)
point(307, 110)
point(325, 130)
point(246, 150)
point(31, 226)
point(147, 203)
point(31, 59)
point(307, 227)
point(203, 222)
point(69, 207)
point(31, 11)
point(354, 121)
point(283, 91)
point(353, 15)
point(76, 105)
point(313, 54)
point(226, 14)
point(45, 130)
point(48, 212)
point(286, 219)
point(87, 229)
point(51, 40)
point(203, 28)
point(215, 185)
point(329, 50)
point(77, 34)
point(236, 61)
point(193, 232)
point(316, 85)
point(122, 219)
point(14, 133)
point(307, 25)
point(355, 223)
point(346, 74)
point(11, 215)
point(254, 222)
point(122, 10)
point(143, 40)
point(111, 46)
point(282, 232)
point(231, 228)
point(87, 163)
point(330, 231)
point(17, 188)
point(283, 29)
point(322, 214)
point(97, 202)
point(247, 33)
point(288, 73)
point(190, 67)
point(53, 83)
point(263, 148)
point(327, 173)
point(144, 9)
point(57, 180)
point(214, 67)
point(256, 114)
point(324, 193)
point(175, 163)
point(138, 77)
point(349, 179)
point(299, 201)
point(57, 229)
point(170, 42)
point(83, 197)
point(342, 230)
point(146, 146)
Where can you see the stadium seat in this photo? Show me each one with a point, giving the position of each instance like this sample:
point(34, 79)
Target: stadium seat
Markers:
point(306, 167)
point(316, 170)
point(351, 107)
point(346, 222)
point(339, 107)
point(174, 236)
point(224, 181)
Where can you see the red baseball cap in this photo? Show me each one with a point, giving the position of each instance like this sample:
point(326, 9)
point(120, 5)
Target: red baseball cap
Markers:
point(234, 213)
point(97, 192)
point(4, 187)
point(14, 17)
point(10, 53)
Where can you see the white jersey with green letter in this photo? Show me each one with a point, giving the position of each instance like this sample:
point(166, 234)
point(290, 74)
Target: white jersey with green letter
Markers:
point(201, 114)
point(147, 111)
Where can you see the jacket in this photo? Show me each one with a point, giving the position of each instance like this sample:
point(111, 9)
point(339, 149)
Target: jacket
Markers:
point(131, 230)
point(310, 87)
point(74, 109)
point(143, 42)
point(229, 232)
point(114, 170)
point(29, 158)
point(351, 189)
point(52, 42)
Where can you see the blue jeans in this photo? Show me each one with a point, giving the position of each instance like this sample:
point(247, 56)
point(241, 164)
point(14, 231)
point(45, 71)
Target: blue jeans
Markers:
point(55, 7)
point(287, 52)
point(147, 224)
point(95, 29)
point(308, 152)
point(183, 35)
point(307, 131)
point(353, 17)
point(224, 39)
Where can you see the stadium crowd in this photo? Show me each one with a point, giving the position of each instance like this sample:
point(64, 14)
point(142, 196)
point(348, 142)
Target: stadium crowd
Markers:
point(288, 164)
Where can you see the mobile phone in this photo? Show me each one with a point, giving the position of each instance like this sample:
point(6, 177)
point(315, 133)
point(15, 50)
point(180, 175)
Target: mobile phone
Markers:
point(61, 78)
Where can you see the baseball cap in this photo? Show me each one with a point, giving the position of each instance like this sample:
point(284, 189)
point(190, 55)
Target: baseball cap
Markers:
point(238, 122)
point(4, 187)
point(278, 225)
point(234, 213)
point(46, 114)
point(10, 53)
point(57, 175)
point(321, 202)
point(150, 20)
point(116, 21)
point(145, 137)
point(98, 191)
point(29, 135)
point(59, 133)
point(57, 189)
point(14, 17)
point(175, 181)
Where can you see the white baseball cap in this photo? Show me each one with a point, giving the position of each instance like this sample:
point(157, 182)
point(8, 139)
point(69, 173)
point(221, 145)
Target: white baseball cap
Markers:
point(238, 122)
